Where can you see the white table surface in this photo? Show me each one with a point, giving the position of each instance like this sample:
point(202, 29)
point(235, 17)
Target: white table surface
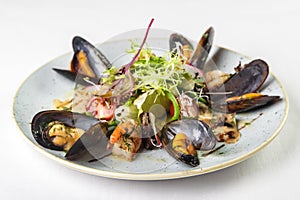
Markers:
point(33, 32)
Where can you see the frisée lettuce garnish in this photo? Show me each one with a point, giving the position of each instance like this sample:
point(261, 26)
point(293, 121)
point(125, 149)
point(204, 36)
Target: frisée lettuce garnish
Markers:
point(157, 80)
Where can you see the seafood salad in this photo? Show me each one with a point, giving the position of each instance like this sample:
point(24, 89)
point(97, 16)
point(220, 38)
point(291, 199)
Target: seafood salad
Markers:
point(171, 101)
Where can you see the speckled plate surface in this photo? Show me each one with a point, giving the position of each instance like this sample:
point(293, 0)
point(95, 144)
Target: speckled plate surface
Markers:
point(44, 85)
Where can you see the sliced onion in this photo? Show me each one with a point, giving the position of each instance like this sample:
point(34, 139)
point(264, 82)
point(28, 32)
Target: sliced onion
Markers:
point(124, 85)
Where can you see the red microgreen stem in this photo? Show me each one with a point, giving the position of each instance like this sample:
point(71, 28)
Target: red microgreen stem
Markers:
point(139, 51)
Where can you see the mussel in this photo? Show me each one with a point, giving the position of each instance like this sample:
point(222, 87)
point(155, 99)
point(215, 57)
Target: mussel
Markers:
point(88, 62)
point(197, 57)
point(178, 42)
point(88, 59)
point(60, 130)
point(184, 137)
point(244, 102)
point(200, 55)
point(246, 80)
point(240, 92)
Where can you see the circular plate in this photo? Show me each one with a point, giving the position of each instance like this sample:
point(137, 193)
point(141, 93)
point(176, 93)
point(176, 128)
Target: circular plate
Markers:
point(45, 85)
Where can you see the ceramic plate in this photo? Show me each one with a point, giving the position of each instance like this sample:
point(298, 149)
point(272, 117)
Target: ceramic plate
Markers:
point(44, 85)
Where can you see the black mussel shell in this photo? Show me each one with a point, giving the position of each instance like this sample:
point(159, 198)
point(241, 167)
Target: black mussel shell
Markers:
point(247, 80)
point(91, 145)
point(245, 104)
point(96, 59)
point(200, 55)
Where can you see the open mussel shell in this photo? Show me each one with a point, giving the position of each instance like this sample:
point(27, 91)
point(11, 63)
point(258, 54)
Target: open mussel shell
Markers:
point(197, 57)
point(88, 59)
point(40, 124)
point(240, 92)
point(88, 63)
point(200, 54)
point(179, 42)
point(248, 80)
point(197, 132)
point(198, 136)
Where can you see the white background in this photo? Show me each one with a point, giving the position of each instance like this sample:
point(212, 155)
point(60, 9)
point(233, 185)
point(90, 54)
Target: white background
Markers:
point(34, 32)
